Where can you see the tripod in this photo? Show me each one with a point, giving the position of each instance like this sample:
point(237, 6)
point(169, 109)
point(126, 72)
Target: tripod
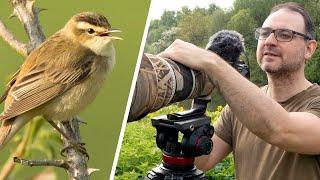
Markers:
point(178, 157)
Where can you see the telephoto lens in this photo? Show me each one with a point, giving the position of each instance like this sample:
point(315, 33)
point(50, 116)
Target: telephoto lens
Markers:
point(162, 81)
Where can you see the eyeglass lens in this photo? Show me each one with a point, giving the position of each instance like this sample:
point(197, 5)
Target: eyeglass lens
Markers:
point(280, 34)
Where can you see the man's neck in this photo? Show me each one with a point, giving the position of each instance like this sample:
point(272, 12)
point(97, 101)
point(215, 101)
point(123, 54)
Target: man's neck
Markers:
point(283, 86)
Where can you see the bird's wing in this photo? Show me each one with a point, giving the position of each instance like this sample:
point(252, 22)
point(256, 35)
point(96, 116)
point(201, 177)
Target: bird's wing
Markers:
point(48, 78)
point(9, 85)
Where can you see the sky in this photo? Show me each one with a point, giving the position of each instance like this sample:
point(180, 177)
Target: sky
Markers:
point(158, 6)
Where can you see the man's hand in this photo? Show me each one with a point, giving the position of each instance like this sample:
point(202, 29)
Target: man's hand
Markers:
point(189, 55)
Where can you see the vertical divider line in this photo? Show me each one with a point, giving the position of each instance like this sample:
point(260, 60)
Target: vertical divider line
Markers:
point(133, 83)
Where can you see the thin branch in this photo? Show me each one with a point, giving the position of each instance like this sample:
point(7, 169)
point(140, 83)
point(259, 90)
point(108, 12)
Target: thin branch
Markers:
point(56, 163)
point(25, 11)
point(77, 160)
point(7, 35)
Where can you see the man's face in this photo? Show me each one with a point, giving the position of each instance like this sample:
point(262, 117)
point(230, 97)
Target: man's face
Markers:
point(282, 57)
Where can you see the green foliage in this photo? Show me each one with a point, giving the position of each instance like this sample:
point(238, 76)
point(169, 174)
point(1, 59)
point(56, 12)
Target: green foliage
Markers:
point(195, 27)
point(139, 152)
point(312, 68)
point(168, 19)
point(161, 44)
point(313, 65)
point(224, 170)
point(214, 114)
point(257, 76)
point(216, 100)
point(243, 22)
point(157, 30)
point(219, 19)
point(42, 142)
point(259, 9)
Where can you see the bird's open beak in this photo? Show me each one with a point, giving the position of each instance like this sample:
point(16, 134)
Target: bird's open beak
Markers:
point(108, 33)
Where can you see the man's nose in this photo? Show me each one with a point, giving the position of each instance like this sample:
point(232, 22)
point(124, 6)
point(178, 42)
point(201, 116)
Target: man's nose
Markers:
point(271, 39)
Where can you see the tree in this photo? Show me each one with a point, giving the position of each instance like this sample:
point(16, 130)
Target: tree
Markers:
point(219, 18)
point(243, 22)
point(195, 27)
point(313, 65)
point(157, 28)
point(168, 19)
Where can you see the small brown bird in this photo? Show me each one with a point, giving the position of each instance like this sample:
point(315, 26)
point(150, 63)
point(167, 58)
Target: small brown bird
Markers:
point(61, 76)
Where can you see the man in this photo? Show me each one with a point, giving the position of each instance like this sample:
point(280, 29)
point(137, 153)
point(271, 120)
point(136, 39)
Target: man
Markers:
point(273, 132)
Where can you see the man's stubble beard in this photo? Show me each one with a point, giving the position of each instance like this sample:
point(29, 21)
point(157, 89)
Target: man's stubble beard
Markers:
point(287, 66)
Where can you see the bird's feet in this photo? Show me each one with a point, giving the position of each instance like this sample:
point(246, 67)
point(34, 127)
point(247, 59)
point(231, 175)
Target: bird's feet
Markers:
point(80, 121)
point(77, 146)
point(73, 144)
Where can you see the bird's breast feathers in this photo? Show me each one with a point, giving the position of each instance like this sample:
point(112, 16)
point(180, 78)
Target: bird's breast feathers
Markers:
point(73, 101)
point(100, 46)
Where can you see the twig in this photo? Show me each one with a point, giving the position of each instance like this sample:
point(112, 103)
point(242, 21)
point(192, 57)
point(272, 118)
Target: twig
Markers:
point(56, 163)
point(5, 33)
point(25, 11)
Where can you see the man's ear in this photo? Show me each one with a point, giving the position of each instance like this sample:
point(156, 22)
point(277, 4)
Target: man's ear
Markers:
point(310, 49)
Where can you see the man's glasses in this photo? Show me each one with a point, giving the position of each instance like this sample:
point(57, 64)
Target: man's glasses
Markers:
point(282, 35)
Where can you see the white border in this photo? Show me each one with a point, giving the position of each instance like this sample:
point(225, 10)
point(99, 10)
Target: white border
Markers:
point(133, 83)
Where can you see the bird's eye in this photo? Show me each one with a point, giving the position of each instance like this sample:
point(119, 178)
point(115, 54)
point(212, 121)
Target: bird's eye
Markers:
point(90, 30)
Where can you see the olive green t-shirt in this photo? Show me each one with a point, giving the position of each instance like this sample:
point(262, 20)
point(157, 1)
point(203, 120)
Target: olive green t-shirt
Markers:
point(256, 159)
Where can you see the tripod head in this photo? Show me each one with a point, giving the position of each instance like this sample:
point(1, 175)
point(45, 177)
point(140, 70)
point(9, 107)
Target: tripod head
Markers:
point(193, 124)
point(178, 157)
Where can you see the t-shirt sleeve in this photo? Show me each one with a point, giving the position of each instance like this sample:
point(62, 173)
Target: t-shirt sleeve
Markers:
point(223, 126)
point(314, 107)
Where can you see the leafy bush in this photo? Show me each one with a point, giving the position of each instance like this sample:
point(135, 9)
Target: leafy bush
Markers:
point(139, 152)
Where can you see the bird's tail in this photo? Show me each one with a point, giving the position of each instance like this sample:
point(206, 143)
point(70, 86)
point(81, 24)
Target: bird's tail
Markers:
point(5, 131)
point(9, 128)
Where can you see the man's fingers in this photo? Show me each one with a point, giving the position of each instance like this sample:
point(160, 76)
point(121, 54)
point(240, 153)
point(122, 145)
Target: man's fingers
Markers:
point(184, 53)
point(170, 52)
point(167, 53)
point(164, 54)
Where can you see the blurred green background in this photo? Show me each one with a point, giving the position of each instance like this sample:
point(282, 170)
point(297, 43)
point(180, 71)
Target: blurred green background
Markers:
point(104, 116)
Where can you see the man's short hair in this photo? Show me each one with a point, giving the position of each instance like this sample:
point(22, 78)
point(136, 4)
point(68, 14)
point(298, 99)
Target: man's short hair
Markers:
point(292, 6)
